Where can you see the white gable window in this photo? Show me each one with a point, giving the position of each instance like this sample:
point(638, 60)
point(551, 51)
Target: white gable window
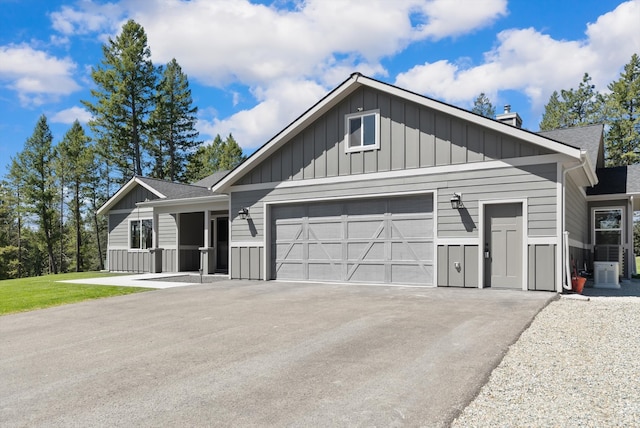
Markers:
point(140, 234)
point(362, 131)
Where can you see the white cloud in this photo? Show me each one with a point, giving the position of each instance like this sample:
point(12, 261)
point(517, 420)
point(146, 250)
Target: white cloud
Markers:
point(35, 75)
point(535, 63)
point(451, 18)
point(70, 115)
point(89, 18)
point(278, 105)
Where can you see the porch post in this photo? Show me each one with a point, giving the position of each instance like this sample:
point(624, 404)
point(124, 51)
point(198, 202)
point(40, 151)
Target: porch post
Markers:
point(206, 252)
point(155, 253)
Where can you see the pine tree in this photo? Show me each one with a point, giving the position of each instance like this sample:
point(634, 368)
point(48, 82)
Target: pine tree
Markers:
point(125, 83)
point(623, 116)
point(231, 154)
point(217, 156)
point(482, 106)
point(173, 122)
point(574, 107)
point(35, 164)
point(74, 151)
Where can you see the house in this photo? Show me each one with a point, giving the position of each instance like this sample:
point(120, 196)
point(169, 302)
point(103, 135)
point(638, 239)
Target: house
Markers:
point(377, 184)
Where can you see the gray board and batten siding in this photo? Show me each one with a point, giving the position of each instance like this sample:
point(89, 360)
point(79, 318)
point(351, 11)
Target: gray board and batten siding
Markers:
point(412, 137)
point(421, 138)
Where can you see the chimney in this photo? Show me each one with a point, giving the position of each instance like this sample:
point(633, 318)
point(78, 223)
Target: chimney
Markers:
point(509, 118)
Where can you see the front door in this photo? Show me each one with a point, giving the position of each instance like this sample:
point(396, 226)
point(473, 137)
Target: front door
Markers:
point(503, 245)
point(222, 244)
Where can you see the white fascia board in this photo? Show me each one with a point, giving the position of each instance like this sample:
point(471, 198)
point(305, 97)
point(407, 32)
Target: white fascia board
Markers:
point(589, 169)
point(123, 191)
point(329, 101)
point(473, 118)
point(184, 201)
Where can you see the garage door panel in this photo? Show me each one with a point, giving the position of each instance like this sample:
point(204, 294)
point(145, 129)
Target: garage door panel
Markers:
point(290, 270)
point(364, 229)
point(412, 228)
point(365, 251)
point(325, 251)
point(411, 274)
point(287, 231)
point(329, 230)
point(325, 210)
point(366, 207)
point(365, 272)
point(369, 240)
point(324, 272)
point(284, 212)
point(289, 251)
point(411, 251)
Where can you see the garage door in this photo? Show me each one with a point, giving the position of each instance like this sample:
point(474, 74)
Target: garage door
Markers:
point(384, 241)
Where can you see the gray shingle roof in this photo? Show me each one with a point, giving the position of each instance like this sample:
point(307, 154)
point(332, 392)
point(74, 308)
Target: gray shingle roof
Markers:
point(209, 181)
point(583, 137)
point(175, 190)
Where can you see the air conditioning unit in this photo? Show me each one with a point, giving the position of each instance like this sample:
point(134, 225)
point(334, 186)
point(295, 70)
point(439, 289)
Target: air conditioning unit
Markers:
point(606, 274)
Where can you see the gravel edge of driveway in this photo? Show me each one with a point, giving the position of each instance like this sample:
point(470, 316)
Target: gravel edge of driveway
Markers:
point(574, 366)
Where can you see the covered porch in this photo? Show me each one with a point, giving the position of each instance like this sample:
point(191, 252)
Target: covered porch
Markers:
point(190, 235)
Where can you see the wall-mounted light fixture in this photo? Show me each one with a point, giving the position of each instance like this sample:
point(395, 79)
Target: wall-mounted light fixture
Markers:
point(456, 201)
point(244, 213)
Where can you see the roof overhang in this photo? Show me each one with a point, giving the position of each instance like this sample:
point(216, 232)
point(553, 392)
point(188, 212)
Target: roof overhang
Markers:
point(183, 201)
point(122, 192)
point(356, 81)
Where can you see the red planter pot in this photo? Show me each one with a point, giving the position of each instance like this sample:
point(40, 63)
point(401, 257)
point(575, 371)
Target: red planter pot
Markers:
point(577, 283)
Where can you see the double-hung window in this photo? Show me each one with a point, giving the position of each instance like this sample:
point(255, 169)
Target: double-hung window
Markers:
point(140, 234)
point(362, 131)
point(607, 224)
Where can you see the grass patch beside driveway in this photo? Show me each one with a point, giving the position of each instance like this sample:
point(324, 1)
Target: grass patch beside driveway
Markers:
point(26, 294)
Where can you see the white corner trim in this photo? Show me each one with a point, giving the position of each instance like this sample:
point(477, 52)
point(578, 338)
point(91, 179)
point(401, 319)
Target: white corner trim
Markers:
point(236, 244)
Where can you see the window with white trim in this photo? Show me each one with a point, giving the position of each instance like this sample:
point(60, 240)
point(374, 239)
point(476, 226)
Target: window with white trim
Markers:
point(362, 131)
point(607, 226)
point(140, 234)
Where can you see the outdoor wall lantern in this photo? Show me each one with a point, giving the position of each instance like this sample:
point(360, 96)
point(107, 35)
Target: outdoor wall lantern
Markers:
point(244, 213)
point(456, 201)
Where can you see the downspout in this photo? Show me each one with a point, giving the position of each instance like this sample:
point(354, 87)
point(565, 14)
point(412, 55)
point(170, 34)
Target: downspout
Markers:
point(566, 283)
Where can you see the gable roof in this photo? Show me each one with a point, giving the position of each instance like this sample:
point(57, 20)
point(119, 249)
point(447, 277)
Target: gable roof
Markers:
point(165, 190)
point(357, 80)
point(209, 181)
point(587, 138)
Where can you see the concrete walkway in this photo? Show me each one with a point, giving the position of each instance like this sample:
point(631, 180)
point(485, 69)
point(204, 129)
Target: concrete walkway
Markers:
point(147, 280)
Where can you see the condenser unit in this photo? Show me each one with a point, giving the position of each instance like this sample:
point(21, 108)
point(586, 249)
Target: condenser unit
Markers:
point(606, 274)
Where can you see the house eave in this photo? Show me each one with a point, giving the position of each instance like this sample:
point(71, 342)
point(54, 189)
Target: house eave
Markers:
point(183, 201)
point(124, 190)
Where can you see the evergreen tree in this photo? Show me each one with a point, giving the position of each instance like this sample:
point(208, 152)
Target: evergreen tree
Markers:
point(574, 107)
point(35, 166)
point(217, 156)
point(125, 83)
point(231, 155)
point(173, 122)
point(9, 259)
point(96, 194)
point(623, 116)
point(74, 151)
point(482, 106)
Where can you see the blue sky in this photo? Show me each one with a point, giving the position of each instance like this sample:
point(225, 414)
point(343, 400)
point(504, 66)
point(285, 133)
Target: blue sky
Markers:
point(254, 66)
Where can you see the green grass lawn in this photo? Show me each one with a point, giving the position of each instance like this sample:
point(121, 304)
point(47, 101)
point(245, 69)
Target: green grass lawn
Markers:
point(26, 294)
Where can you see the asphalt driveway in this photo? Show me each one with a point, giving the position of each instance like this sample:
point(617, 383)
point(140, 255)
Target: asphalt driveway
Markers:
point(246, 353)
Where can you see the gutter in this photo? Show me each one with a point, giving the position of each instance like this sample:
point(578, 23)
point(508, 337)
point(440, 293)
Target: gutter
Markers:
point(566, 283)
point(195, 200)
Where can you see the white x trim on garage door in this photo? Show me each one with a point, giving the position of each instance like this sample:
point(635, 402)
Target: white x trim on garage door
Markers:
point(383, 240)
